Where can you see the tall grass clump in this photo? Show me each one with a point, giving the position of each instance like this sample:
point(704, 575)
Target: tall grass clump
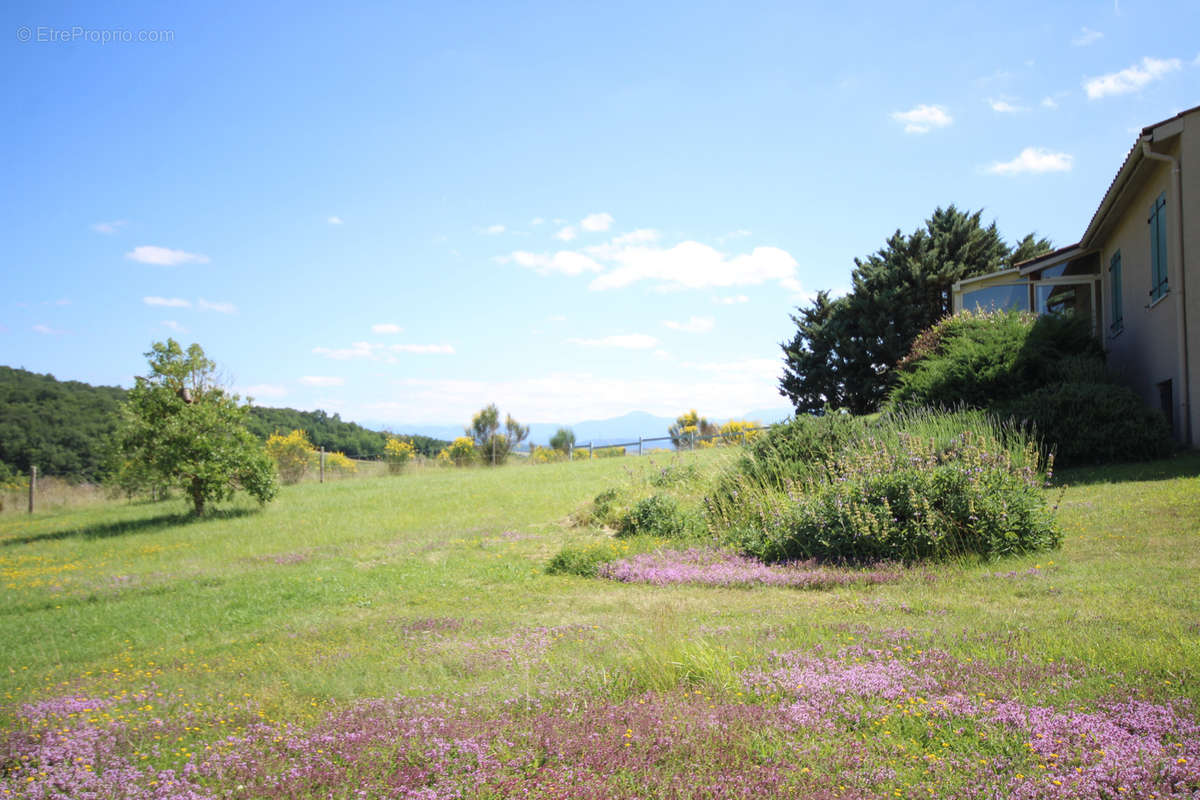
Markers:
point(906, 487)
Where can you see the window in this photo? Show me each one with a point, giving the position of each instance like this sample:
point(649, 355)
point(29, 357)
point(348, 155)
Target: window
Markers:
point(1158, 248)
point(998, 298)
point(1117, 307)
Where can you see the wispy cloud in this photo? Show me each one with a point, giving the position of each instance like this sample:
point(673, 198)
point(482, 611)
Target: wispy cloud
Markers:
point(322, 380)
point(1033, 160)
point(381, 352)
point(624, 341)
point(386, 327)
point(261, 390)
point(692, 265)
point(171, 324)
point(596, 222)
point(1005, 107)
point(220, 308)
point(537, 221)
point(46, 330)
point(493, 230)
point(566, 233)
point(693, 325)
point(109, 228)
point(923, 118)
point(164, 256)
point(1049, 102)
point(731, 300)
point(565, 262)
point(334, 220)
point(1087, 36)
point(639, 236)
point(167, 302)
point(740, 233)
point(1131, 79)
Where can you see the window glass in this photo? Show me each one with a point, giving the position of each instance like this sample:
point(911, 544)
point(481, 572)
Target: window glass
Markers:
point(998, 298)
point(1064, 297)
point(1084, 265)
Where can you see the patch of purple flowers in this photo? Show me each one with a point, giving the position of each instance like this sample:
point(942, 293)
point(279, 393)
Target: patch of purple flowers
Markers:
point(716, 567)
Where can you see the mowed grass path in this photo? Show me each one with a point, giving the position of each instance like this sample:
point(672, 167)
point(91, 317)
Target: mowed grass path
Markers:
point(432, 583)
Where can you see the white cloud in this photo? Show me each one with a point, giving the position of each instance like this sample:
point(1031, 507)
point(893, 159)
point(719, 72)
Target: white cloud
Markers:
point(596, 222)
point(1130, 79)
point(1049, 102)
point(625, 341)
point(732, 300)
point(381, 352)
point(164, 256)
point(167, 302)
point(565, 262)
point(639, 236)
point(1005, 107)
point(334, 220)
point(260, 390)
point(220, 308)
point(537, 221)
point(322, 380)
point(566, 233)
point(740, 233)
point(692, 265)
point(386, 327)
point(1033, 160)
point(109, 228)
point(923, 118)
point(173, 325)
point(492, 230)
point(1087, 36)
point(693, 325)
point(46, 330)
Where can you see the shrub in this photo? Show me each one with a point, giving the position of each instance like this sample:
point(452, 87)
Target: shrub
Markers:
point(460, 453)
point(397, 453)
point(338, 462)
point(1095, 423)
point(608, 452)
point(293, 454)
point(909, 498)
point(739, 431)
point(674, 474)
point(546, 455)
point(586, 560)
point(657, 515)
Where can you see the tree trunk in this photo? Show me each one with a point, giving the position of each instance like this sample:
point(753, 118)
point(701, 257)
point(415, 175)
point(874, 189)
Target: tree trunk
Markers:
point(198, 496)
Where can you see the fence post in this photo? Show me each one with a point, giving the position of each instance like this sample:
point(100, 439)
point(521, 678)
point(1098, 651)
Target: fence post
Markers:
point(322, 465)
point(571, 451)
point(32, 486)
point(692, 440)
point(743, 437)
point(639, 445)
point(589, 451)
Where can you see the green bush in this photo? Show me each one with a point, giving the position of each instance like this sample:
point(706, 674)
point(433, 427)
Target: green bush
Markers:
point(657, 515)
point(1094, 423)
point(674, 474)
point(584, 561)
point(908, 498)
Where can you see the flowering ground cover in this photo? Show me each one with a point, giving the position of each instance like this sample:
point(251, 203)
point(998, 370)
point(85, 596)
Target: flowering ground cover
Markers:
point(400, 638)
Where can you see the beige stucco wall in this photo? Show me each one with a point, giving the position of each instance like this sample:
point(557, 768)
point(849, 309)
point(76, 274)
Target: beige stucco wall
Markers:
point(1190, 173)
point(1145, 352)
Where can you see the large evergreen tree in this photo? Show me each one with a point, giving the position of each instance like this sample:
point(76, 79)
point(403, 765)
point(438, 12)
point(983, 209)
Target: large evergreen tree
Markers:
point(843, 350)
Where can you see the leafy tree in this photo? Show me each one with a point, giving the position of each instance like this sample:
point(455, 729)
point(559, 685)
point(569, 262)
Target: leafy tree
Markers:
point(182, 429)
point(492, 446)
point(689, 426)
point(563, 440)
point(844, 350)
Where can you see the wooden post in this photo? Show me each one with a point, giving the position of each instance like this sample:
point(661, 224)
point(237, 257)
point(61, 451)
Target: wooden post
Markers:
point(589, 451)
point(639, 445)
point(32, 486)
point(571, 451)
point(692, 440)
point(322, 465)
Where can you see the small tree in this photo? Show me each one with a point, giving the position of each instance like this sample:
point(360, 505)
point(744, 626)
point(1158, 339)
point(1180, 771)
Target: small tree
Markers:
point(397, 452)
point(179, 428)
point(563, 440)
point(492, 446)
point(293, 455)
point(690, 426)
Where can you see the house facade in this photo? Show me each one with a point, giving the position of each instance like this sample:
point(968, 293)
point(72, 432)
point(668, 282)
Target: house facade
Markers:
point(1130, 273)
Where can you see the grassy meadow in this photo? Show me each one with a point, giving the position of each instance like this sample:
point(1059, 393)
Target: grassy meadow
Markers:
point(400, 637)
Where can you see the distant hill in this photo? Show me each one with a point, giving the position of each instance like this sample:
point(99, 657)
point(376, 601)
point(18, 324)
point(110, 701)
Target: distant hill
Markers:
point(62, 427)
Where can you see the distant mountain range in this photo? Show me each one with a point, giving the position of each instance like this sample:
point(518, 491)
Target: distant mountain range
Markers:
point(599, 432)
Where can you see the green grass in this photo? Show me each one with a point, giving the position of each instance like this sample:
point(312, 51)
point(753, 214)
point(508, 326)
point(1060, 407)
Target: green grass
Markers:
point(429, 582)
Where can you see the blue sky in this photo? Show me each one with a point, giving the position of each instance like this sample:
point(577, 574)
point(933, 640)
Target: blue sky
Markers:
point(403, 212)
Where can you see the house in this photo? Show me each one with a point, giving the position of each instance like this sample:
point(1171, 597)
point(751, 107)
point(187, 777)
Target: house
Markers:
point(1129, 273)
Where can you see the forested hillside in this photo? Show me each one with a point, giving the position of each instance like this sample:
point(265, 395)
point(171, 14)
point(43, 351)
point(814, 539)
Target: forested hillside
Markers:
point(61, 426)
point(64, 426)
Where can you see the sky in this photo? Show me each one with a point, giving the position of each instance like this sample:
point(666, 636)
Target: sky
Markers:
point(402, 212)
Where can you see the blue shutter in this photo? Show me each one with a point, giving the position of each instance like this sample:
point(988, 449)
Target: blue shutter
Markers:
point(1118, 305)
point(1158, 248)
